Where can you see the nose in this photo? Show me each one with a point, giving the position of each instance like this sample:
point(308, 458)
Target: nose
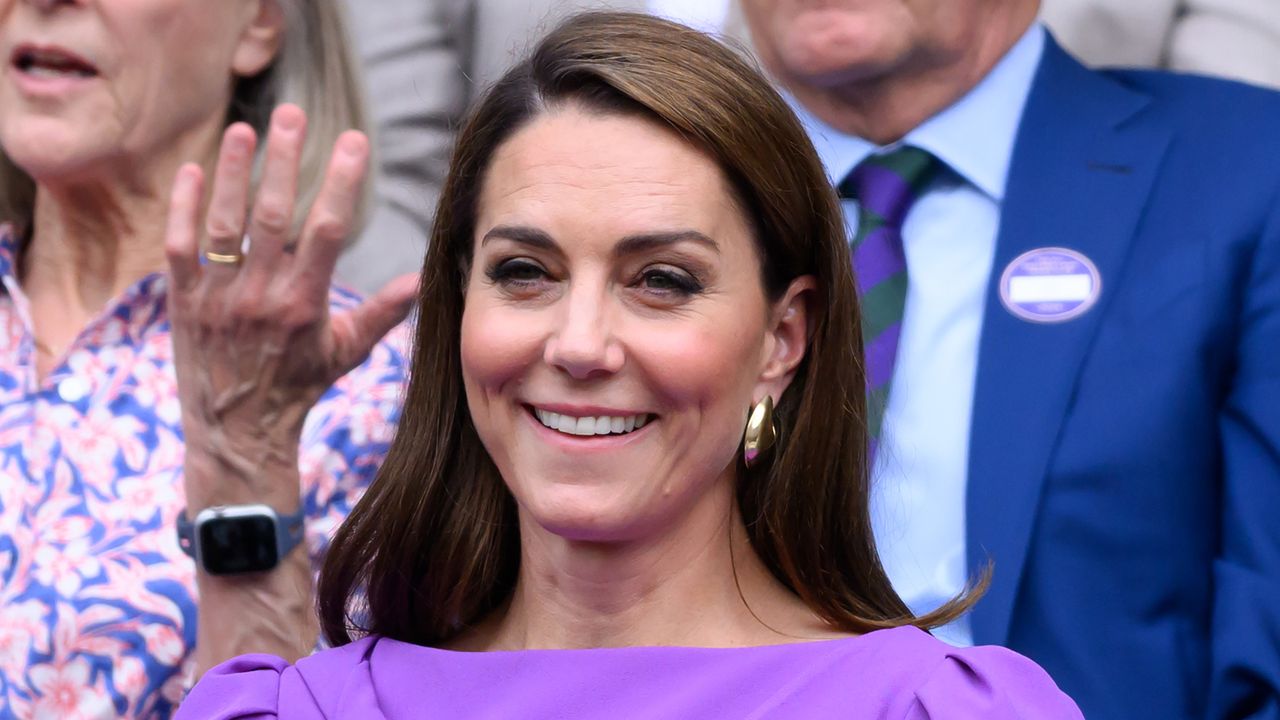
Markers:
point(583, 346)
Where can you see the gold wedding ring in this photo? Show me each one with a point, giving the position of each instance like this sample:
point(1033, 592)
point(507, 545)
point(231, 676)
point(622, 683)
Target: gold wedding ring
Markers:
point(224, 259)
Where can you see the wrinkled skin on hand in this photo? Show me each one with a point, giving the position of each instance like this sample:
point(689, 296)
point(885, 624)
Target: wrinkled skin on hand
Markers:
point(255, 344)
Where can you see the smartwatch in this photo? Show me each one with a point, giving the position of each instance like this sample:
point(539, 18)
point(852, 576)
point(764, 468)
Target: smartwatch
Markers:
point(238, 539)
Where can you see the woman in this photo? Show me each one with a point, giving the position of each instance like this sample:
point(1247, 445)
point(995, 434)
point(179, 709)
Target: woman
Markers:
point(636, 254)
point(100, 102)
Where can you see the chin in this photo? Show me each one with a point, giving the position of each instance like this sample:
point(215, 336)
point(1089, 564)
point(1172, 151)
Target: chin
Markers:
point(832, 48)
point(48, 148)
point(585, 514)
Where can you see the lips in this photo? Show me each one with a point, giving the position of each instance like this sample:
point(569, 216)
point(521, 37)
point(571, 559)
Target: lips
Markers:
point(50, 61)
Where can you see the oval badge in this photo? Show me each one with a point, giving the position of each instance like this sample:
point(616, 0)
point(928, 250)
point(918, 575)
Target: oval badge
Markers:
point(1050, 285)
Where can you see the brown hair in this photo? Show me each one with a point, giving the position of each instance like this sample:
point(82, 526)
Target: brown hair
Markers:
point(434, 544)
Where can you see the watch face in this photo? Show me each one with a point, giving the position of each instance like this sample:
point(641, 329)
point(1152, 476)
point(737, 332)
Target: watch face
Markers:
point(231, 545)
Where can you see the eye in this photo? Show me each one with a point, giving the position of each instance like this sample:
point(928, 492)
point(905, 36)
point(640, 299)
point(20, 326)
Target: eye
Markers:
point(516, 272)
point(666, 280)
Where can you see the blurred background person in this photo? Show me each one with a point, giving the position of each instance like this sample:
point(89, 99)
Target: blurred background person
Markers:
point(499, 33)
point(100, 103)
point(650, 254)
point(1071, 300)
point(416, 92)
point(1238, 39)
point(425, 61)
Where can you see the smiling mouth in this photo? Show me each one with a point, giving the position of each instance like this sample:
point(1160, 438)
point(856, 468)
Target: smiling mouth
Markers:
point(47, 63)
point(591, 426)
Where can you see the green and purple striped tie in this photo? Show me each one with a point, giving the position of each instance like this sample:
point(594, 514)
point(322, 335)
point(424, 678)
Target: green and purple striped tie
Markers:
point(885, 187)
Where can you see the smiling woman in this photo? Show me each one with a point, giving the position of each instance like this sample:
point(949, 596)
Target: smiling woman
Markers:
point(636, 248)
point(149, 411)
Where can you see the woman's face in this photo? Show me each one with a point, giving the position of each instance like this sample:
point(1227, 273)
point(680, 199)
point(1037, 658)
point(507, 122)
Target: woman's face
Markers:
point(615, 331)
point(88, 82)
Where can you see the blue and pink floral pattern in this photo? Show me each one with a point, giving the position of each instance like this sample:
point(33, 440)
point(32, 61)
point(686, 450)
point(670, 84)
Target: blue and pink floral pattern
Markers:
point(97, 602)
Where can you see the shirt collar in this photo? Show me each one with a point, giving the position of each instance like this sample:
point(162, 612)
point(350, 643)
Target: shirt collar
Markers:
point(974, 136)
point(139, 307)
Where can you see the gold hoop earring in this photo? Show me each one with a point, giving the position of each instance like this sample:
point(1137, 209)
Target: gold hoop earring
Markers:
point(761, 433)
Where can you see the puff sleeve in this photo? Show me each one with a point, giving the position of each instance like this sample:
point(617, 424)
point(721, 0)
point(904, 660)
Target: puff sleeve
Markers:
point(992, 683)
point(249, 687)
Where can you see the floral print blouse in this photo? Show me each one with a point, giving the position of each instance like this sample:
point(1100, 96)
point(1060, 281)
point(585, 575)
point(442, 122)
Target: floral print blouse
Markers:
point(97, 601)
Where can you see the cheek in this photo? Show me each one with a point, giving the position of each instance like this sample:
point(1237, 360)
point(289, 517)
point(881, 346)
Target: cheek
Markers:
point(158, 98)
point(181, 81)
point(709, 366)
point(498, 345)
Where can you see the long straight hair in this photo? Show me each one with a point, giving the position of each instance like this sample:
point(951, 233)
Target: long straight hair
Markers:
point(434, 545)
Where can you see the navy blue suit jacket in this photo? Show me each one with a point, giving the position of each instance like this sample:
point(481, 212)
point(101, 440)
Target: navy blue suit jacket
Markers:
point(1124, 471)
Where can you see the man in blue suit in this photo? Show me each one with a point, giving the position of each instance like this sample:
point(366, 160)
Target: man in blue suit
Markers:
point(1072, 299)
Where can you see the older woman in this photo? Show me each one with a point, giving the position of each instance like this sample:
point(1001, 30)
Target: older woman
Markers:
point(100, 103)
point(592, 507)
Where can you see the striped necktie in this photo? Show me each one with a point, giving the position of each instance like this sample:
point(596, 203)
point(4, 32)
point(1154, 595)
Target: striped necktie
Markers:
point(885, 187)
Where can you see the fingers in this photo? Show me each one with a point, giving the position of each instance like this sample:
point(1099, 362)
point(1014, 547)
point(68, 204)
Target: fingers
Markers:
point(364, 326)
point(182, 239)
point(332, 217)
point(224, 222)
point(271, 225)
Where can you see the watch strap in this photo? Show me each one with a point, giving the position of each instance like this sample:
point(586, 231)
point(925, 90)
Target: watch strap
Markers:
point(186, 534)
point(291, 530)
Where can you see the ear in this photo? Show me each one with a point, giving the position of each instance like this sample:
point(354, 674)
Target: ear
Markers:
point(791, 326)
point(260, 40)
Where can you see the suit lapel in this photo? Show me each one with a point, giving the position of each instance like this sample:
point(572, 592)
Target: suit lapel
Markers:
point(1081, 172)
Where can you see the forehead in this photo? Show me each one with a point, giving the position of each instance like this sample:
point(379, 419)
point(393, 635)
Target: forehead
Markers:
point(616, 173)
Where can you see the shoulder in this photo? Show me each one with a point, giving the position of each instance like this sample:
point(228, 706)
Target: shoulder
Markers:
point(943, 682)
point(1236, 112)
point(266, 686)
point(990, 682)
point(1174, 85)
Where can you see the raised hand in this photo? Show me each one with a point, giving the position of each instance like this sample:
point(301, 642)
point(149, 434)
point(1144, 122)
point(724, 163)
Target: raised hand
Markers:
point(255, 345)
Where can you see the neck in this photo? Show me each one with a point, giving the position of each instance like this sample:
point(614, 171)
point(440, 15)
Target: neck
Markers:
point(883, 107)
point(95, 235)
point(701, 586)
point(90, 244)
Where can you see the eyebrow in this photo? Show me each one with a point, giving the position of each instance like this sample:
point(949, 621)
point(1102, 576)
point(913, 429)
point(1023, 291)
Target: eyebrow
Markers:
point(629, 245)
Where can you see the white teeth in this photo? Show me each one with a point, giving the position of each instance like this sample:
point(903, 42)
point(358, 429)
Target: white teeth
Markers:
point(42, 71)
point(567, 424)
point(586, 426)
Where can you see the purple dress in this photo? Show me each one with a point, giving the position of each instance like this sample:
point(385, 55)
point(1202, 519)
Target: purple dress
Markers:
point(899, 674)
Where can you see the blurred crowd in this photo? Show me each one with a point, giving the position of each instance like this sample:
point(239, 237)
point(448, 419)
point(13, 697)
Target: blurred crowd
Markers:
point(425, 61)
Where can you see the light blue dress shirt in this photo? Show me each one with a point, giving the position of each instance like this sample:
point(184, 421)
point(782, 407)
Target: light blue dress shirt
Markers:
point(920, 476)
